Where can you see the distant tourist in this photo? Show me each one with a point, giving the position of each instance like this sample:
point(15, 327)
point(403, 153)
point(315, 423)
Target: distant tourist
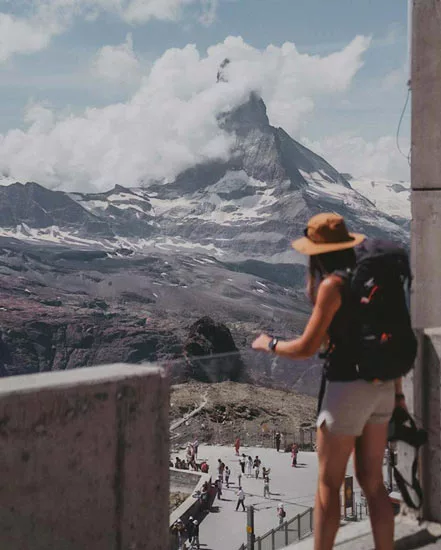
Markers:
point(205, 497)
point(204, 467)
point(281, 514)
point(294, 453)
point(256, 466)
point(242, 462)
point(195, 536)
point(189, 527)
point(190, 452)
point(227, 476)
point(218, 487)
point(359, 308)
point(237, 446)
point(249, 466)
point(179, 529)
point(195, 447)
point(240, 499)
point(266, 486)
point(220, 470)
point(277, 438)
point(239, 478)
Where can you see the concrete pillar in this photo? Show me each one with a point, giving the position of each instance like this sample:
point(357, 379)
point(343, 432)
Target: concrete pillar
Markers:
point(426, 230)
point(84, 460)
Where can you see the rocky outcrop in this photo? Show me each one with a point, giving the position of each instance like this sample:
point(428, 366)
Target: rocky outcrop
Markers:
point(45, 338)
point(221, 358)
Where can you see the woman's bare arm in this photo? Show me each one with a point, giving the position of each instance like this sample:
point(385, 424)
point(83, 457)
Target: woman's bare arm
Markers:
point(327, 304)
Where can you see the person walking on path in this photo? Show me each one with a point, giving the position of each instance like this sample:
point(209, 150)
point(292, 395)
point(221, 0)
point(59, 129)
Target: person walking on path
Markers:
point(218, 486)
point(179, 529)
point(189, 527)
point(240, 499)
point(266, 486)
point(361, 381)
point(281, 514)
point(294, 451)
point(195, 536)
point(249, 466)
point(277, 440)
point(237, 446)
point(195, 447)
point(242, 462)
point(256, 466)
point(220, 469)
point(227, 476)
point(239, 478)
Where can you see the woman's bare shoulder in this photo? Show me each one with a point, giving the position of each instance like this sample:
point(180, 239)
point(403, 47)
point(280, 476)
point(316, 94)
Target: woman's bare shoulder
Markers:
point(330, 288)
point(332, 282)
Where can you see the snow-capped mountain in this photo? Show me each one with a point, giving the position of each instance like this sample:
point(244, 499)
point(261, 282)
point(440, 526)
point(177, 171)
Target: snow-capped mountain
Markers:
point(86, 279)
point(248, 207)
point(390, 197)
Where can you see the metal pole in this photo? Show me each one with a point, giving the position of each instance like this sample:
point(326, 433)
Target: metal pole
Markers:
point(250, 528)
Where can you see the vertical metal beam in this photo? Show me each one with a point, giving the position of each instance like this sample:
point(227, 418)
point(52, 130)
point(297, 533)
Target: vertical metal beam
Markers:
point(250, 528)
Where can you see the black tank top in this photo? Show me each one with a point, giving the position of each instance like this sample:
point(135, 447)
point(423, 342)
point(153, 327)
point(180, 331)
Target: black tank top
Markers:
point(340, 364)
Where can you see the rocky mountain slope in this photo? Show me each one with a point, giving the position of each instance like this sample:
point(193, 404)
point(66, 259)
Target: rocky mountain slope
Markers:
point(92, 278)
point(248, 207)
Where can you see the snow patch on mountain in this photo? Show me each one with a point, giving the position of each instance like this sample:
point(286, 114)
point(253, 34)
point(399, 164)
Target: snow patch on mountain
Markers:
point(392, 198)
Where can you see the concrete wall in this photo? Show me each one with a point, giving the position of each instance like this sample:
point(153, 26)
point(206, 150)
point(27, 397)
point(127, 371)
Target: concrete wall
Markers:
point(427, 413)
point(191, 507)
point(426, 163)
point(426, 236)
point(185, 479)
point(84, 460)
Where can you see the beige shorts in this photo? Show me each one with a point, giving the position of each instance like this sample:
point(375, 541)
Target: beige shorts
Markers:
point(348, 406)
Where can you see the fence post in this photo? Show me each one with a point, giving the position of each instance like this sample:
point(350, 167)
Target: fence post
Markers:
point(298, 525)
point(311, 519)
point(250, 528)
point(273, 541)
point(286, 533)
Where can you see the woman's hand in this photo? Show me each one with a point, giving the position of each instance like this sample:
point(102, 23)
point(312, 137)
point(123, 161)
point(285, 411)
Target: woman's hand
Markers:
point(261, 343)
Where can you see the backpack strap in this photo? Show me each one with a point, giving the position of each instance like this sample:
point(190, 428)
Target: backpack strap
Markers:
point(403, 485)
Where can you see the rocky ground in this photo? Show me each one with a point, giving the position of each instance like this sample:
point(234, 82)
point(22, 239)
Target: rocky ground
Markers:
point(233, 409)
point(62, 309)
point(176, 499)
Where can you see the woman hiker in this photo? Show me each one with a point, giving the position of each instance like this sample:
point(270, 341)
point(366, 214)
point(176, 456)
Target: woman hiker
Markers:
point(354, 413)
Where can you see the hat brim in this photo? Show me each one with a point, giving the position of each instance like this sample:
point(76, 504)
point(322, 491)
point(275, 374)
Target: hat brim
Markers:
point(310, 248)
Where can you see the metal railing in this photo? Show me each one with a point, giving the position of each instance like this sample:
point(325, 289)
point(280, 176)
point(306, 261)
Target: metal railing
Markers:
point(287, 533)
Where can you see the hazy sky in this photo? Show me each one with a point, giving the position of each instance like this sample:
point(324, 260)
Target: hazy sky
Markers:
point(93, 90)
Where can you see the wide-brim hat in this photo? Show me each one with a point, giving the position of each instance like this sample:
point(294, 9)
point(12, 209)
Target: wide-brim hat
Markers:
point(326, 232)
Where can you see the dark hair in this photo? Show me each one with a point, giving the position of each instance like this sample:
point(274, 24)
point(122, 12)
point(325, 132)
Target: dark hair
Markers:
point(322, 265)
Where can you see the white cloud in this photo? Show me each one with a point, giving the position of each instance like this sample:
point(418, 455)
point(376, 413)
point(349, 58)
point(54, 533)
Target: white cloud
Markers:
point(24, 36)
point(118, 63)
point(360, 158)
point(209, 10)
point(170, 123)
point(49, 18)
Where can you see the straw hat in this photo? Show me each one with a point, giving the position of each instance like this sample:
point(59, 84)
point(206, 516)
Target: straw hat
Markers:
point(326, 232)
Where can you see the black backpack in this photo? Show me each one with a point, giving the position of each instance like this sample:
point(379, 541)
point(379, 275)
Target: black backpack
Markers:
point(383, 345)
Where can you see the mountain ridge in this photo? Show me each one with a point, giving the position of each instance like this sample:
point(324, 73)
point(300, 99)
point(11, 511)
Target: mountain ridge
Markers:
point(248, 207)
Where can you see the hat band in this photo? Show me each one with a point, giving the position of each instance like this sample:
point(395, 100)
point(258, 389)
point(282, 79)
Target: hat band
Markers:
point(342, 238)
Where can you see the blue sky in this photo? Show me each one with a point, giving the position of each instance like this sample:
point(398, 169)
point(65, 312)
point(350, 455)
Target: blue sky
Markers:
point(67, 69)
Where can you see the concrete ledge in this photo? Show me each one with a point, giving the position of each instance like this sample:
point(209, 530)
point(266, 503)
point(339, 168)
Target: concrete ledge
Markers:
point(191, 506)
point(84, 457)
